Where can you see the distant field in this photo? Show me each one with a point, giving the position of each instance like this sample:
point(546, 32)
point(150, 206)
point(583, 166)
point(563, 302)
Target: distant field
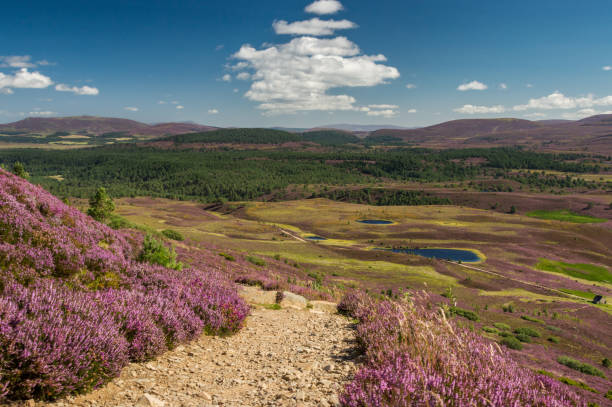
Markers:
point(584, 271)
point(565, 216)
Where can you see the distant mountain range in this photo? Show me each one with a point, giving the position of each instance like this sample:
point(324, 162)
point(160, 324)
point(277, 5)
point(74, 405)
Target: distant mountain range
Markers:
point(591, 134)
point(100, 125)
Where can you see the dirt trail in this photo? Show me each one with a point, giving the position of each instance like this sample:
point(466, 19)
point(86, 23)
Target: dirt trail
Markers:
point(284, 357)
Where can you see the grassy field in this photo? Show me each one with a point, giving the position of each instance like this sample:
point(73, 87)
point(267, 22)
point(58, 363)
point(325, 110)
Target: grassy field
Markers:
point(519, 286)
point(565, 216)
point(583, 271)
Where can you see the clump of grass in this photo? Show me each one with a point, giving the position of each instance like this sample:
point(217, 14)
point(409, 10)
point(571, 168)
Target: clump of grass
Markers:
point(553, 328)
point(568, 381)
point(173, 234)
point(501, 326)
point(553, 339)
point(490, 329)
point(271, 306)
point(512, 343)
point(527, 331)
point(471, 315)
point(227, 257)
point(580, 366)
point(256, 261)
point(531, 319)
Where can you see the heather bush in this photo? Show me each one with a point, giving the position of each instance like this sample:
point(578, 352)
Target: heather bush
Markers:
point(414, 356)
point(76, 304)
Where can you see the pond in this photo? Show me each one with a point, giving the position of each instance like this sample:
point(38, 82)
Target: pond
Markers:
point(466, 256)
point(375, 222)
point(315, 238)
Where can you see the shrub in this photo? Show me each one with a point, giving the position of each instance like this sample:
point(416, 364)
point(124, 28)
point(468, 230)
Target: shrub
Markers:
point(568, 381)
point(512, 343)
point(256, 261)
point(553, 328)
point(19, 170)
point(580, 366)
point(490, 329)
point(508, 308)
point(280, 295)
point(471, 315)
point(605, 362)
point(531, 319)
point(154, 252)
point(173, 234)
point(527, 331)
point(227, 257)
point(101, 206)
point(523, 338)
point(501, 326)
point(553, 339)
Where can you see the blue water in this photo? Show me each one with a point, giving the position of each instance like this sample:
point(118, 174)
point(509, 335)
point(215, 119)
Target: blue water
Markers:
point(445, 254)
point(315, 238)
point(375, 222)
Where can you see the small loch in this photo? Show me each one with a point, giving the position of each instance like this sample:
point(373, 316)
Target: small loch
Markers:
point(375, 222)
point(465, 256)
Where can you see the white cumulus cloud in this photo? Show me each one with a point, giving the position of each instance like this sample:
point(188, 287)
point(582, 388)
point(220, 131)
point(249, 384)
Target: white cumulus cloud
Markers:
point(474, 85)
point(42, 113)
point(226, 78)
point(314, 26)
point(243, 76)
point(383, 113)
point(16, 61)
point(607, 68)
point(503, 86)
point(410, 86)
point(213, 111)
point(131, 108)
point(412, 110)
point(296, 76)
point(23, 79)
point(180, 107)
point(324, 7)
point(83, 90)
point(471, 109)
point(558, 100)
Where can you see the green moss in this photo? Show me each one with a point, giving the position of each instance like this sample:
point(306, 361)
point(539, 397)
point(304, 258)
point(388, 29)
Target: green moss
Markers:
point(588, 272)
point(565, 216)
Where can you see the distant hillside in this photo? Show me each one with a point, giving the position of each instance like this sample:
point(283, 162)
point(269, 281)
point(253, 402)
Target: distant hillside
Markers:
point(590, 134)
point(359, 128)
point(93, 125)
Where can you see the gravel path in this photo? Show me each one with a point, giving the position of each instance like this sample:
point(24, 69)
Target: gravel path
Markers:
point(285, 357)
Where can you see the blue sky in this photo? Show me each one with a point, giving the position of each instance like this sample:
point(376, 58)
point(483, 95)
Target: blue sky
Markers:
point(299, 64)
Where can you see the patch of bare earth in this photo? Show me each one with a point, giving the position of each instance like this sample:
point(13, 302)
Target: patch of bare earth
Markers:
point(286, 357)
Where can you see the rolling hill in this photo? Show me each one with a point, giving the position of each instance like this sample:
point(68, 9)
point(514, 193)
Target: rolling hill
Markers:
point(589, 134)
point(98, 125)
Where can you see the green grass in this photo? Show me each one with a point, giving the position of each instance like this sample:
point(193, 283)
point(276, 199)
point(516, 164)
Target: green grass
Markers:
point(583, 294)
point(568, 381)
point(227, 257)
point(490, 329)
point(565, 216)
point(588, 272)
point(531, 319)
point(580, 366)
point(271, 306)
point(173, 234)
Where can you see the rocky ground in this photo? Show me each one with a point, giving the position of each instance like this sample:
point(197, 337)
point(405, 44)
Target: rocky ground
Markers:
point(296, 356)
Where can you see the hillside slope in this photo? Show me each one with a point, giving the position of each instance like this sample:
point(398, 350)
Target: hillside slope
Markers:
point(98, 125)
point(76, 304)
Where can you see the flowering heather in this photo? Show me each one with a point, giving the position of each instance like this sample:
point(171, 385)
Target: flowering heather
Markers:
point(415, 357)
point(76, 306)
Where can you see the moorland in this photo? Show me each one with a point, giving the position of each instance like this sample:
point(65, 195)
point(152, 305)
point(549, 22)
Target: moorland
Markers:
point(282, 210)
